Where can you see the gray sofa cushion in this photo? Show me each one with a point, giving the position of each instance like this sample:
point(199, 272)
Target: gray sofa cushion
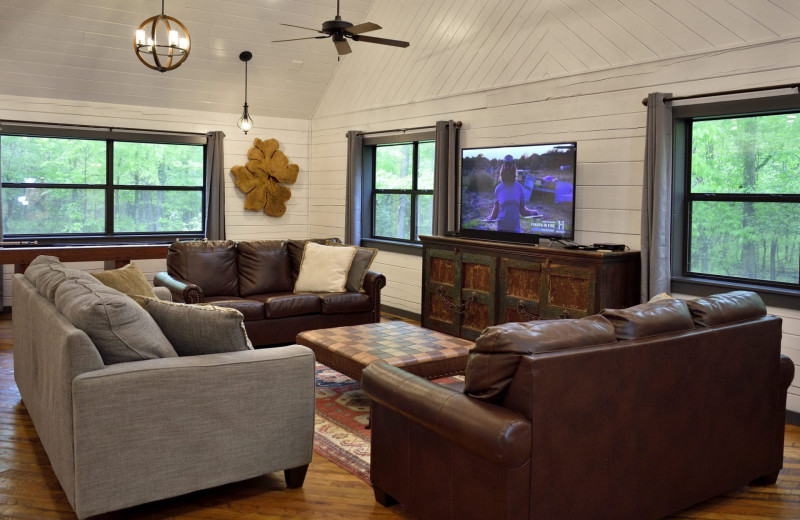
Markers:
point(120, 328)
point(46, 273)
point(199, 329)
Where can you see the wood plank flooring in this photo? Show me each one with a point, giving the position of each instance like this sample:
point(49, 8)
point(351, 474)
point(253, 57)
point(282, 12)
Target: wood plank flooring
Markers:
point(30, 490)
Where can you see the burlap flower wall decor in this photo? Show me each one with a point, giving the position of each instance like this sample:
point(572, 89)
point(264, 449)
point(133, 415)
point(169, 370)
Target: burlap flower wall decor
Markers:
point(262, 176)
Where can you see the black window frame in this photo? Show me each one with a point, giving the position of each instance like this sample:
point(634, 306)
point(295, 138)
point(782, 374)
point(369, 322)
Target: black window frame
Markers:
point(110, 136)
point(785, 295)
point(369, 192)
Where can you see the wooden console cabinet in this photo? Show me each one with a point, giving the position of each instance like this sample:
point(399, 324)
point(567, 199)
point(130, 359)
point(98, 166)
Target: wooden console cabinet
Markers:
point(468, 285)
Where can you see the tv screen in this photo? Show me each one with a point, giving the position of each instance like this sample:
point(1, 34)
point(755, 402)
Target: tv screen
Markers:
point(518, 193)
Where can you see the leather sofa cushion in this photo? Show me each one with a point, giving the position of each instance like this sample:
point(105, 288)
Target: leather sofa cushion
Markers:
point(497, 352)
point(210, 264)
point(263, 267)
point(251, 309)
point(341, 303)
point(291, 304)
point(726, 308)
point(649, 319)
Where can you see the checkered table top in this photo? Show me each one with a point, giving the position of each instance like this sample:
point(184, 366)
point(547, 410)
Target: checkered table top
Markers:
point(395, 342)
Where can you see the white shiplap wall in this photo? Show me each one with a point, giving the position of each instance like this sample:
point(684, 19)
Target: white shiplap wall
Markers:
point(292, 135)
point(596, 104)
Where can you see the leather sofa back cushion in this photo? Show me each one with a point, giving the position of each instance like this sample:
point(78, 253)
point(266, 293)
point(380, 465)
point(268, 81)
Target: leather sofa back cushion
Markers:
point(264, 267)
point(210, 264)
point(650, 319)
point(726, 308)
point(497, 352)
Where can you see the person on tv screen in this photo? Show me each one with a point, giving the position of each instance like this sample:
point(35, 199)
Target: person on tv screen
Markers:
point(509, 204)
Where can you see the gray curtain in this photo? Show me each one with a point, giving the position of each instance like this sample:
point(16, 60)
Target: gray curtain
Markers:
point(355, 174)
point(445, 177)
point(215, 187)
point(657, 198)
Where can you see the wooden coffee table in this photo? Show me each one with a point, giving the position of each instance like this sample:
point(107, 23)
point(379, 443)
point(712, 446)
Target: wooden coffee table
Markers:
point(421, 351)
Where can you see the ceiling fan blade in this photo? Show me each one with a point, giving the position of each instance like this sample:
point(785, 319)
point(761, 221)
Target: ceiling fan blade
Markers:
point(362, 28)
point(382, 41)
point(297, 39)
point(301, 27)
point(342, 47)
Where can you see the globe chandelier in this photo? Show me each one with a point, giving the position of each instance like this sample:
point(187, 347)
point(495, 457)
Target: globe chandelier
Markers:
point(149, 42)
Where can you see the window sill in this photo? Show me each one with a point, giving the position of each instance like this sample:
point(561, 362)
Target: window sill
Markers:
point(403, 248)
point(772, 296)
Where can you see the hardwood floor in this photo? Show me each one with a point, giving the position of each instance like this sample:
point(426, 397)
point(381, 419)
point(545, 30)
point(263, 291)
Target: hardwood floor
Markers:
point(30, 490)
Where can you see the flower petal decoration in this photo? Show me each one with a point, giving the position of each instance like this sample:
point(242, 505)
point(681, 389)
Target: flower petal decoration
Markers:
point(260, 179)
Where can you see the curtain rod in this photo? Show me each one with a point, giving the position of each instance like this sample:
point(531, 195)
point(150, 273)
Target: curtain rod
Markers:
point(109, 128)
point(730, 92)
point(404, 130)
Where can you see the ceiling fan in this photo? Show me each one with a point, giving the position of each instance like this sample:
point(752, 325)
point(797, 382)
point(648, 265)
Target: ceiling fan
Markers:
point(339, 30)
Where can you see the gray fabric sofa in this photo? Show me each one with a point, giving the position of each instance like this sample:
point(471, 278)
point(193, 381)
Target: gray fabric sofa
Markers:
point(133, 432)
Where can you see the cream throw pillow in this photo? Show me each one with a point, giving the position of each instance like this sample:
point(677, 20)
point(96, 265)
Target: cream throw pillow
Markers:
point(324, 268)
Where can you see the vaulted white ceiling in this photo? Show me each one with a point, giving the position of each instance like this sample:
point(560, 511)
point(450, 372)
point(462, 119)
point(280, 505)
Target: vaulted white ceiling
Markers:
point(83, 49)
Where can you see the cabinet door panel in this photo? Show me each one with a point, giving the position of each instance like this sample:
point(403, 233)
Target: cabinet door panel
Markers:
point(441, 292)
point(520, 290)
point(568, 290)
point(478, 282)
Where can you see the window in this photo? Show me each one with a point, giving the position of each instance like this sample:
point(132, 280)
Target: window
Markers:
point(738, 192)
point(398, 188)
point(79, 187)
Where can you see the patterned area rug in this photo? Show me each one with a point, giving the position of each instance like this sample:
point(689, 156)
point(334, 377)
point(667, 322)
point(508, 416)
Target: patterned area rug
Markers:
point(340, 432)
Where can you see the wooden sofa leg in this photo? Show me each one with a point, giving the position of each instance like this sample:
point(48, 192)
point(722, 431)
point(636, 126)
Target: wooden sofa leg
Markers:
point(766, 480)
point(383, 498)
point(295, 476)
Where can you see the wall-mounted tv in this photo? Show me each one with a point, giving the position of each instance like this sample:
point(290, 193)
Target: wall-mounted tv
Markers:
point(518, 193)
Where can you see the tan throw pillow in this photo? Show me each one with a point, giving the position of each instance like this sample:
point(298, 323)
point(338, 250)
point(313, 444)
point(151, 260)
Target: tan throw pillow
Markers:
point(324, 268)
point(128, 280)
point(361, 263)
point(120, 329)
point(199, 329)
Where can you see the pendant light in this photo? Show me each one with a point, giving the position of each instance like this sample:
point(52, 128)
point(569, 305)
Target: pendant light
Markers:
point(245, 122)
point(161, 56)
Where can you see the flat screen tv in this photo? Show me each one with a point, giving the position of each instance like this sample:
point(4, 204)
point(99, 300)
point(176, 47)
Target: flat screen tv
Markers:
point(518, 193)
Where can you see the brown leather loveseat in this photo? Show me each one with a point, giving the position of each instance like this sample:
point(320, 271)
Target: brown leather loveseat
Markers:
point(631, 414)
point(257, 278)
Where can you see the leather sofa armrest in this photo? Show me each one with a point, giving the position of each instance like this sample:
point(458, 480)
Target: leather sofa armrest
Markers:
point(787, 373)
point(492, 432)
point(373, 283)
point(182, 291)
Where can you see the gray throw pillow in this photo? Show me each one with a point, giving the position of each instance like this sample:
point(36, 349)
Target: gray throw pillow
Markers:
point(119, 327)
point(199, 329)
point(358, 269)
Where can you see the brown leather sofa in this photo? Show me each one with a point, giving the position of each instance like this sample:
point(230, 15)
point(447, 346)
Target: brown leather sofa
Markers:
point(632, 414)
point(257, 278)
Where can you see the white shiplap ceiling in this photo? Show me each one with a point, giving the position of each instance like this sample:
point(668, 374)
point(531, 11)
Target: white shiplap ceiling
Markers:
point(83, 50)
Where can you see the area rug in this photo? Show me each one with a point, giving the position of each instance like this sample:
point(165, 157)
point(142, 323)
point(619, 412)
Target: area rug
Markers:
point(340, 431)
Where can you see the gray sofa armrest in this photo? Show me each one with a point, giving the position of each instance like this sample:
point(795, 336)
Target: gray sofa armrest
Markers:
point(492, 432)
point(182, 291)
point(373, 283)
point(152, 429)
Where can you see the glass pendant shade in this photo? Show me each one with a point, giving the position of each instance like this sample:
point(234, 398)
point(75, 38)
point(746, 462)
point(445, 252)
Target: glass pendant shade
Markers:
point(245, 122)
